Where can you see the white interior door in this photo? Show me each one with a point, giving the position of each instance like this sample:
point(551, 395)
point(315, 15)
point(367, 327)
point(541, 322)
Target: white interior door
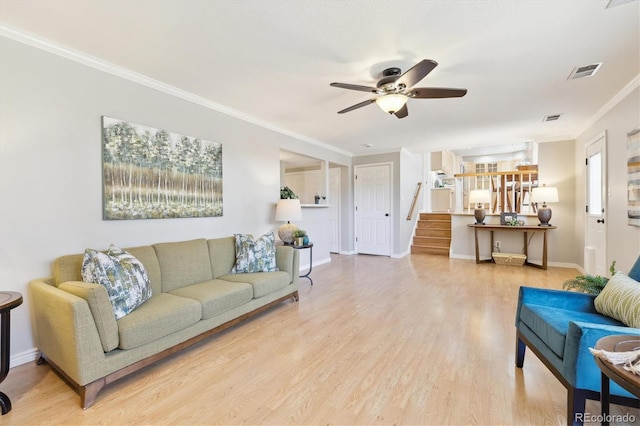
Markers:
point(373, 209)
point(333, 199)
point(595, 258)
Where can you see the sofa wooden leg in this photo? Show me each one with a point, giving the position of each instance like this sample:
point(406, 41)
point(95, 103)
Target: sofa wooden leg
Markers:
point(40, 360)
point(576, 400)
point(520, 351)
point(295, 296)
point(89, 392)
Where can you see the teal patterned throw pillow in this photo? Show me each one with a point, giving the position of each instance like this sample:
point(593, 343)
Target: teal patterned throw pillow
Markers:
point(124, 277)
point(255, 255)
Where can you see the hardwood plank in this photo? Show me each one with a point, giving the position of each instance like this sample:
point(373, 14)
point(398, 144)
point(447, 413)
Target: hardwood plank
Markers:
point(419, 340)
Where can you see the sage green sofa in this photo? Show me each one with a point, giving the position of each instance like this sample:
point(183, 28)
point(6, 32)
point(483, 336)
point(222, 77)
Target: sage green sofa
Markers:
point(194, 295)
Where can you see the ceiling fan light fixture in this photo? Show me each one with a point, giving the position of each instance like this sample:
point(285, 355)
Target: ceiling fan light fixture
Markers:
point(391, 103)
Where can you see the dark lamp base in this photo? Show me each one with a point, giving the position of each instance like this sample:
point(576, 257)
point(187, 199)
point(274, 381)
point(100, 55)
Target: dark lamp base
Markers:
point(544, 216)
point(479, 214)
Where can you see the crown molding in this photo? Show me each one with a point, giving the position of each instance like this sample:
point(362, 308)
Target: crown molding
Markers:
point(615, 100)
point(127, 74)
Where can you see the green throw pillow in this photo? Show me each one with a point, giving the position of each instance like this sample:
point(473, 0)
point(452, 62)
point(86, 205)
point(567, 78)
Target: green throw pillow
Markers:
point(123, 276)
point(620, 299)
point(255, 255)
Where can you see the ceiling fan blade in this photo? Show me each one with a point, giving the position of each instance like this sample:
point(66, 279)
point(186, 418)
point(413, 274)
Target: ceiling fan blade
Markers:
point(402, 112)
point(355, 87)
point(356, 106)
point(436, 92)
point(416, 73)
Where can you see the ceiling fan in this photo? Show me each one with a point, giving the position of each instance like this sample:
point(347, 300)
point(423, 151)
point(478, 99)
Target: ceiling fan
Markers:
point(395, 89)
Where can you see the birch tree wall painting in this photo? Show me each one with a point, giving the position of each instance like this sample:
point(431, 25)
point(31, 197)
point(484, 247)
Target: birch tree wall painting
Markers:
point(155, 174)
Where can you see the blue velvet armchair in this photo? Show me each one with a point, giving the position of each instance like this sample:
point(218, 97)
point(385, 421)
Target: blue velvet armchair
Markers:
point(560, 327)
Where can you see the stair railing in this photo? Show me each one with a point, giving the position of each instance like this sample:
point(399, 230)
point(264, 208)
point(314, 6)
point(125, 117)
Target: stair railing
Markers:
point(415, 200)
point(511, 190)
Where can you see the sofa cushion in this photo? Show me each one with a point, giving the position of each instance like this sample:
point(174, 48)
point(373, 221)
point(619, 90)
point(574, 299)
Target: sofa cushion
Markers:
point(101, 310)
point(67, 268)
point(257, 255)
point(123, 276)
point(620, 299)
point(551, 324)
point(183, 263)
point(160, 316)
point(217, 296)
point(147, 255)
point(263, 283)
point(222, 254)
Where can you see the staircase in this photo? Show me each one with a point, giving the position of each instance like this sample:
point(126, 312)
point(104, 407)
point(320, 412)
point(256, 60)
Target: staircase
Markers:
point(433, 234)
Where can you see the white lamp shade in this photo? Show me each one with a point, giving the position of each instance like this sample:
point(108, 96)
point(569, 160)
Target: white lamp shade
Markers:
point(391, 103)
point(288, 210)
point(480, 196)
point(544, 195)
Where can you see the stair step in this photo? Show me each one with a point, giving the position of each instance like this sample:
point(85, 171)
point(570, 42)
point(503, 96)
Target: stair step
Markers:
point(440, 251)
point(434, 224)
point(433, 232)
point(435, 216)
point(432, 241)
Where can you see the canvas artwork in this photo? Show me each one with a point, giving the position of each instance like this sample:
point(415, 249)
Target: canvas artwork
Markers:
point(155, 174)
point(633, 177)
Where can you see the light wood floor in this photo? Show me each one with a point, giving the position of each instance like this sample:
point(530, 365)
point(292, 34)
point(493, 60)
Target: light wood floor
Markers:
point(421, 340)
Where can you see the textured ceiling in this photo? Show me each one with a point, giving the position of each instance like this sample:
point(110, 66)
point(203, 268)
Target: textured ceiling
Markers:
point(271, 62)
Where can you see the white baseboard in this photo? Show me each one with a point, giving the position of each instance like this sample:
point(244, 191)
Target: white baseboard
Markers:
point(304, 268)
point(23, 358)
point(400, 255)
point(536, 261)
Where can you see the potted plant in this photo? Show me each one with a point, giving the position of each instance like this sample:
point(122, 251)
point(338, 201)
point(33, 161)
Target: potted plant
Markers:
point(298, 237)
point(286, 193)
point(589, 283)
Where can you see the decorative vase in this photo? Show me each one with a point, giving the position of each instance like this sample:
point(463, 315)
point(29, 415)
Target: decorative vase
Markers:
point(305, 240)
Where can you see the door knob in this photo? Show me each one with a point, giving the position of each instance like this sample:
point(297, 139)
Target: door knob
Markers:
point(386, 214)
point(600, 221)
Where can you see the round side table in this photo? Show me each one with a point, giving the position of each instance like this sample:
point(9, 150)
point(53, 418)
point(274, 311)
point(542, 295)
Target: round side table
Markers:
point(8, 301)
point(626, 379)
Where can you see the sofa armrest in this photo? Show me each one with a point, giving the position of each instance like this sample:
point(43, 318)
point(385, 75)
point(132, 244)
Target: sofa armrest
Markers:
point(562, 299)
point(101, 310)
point(577, 358)
point(66, 333)
point(288, 260)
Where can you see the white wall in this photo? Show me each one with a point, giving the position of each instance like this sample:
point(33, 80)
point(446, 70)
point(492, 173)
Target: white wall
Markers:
point(623, 241)
point(50, 168)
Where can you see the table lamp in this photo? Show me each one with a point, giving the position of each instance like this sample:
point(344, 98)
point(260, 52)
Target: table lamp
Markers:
point(479, 197)
point(544, 195)
point(288, 210)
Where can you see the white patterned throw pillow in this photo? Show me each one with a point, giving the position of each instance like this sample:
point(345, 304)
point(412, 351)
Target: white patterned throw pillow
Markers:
point(123, 275)
point(255, 255)
point(620, 299)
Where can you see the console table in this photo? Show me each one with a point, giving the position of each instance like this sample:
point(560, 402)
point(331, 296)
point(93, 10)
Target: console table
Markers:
point(8, 301)
point(525, 229)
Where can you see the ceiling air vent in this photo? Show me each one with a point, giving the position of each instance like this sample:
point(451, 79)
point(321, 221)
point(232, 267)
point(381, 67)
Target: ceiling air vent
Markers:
point(584, 71)
point(552, 117)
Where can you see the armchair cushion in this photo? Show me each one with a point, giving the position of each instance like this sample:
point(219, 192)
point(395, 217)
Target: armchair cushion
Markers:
point(620, 299)
point(634, 273)
point(551, 324)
